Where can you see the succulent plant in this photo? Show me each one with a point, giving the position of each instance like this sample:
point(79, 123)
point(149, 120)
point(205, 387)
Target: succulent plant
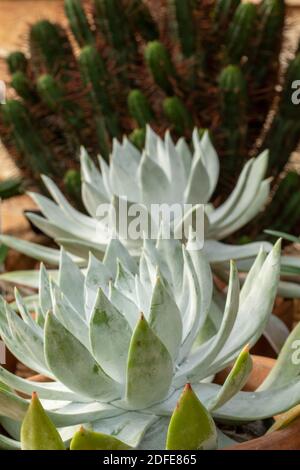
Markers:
point(171, 64)
point(163, 173)
point(121, 371)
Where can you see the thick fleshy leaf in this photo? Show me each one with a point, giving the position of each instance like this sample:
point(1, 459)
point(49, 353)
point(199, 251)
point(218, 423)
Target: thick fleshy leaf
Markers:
point(198, 362)
point(252, 274)
point(71, 282)
point(155, 186)
point(198, 187)
point(211, 159)
point(191, 426)
point(37, 431)
point(97, 276)
point(287, 366)
point(74, 365)
point(149, 368)
point(129, 427)
point(116, 251)
point(33, 250)
point(6, 443)
point(110, 336)
point(235, 381)
point(165, 318)
point(90, 440)
point(285, 419)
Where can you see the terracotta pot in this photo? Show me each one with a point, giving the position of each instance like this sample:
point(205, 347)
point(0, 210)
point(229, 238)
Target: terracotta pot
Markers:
point(284, 439)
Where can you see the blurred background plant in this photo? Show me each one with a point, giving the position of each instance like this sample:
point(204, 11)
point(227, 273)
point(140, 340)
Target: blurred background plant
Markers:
point(173, 64)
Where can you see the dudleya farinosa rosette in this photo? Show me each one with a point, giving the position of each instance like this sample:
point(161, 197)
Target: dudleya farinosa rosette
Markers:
point(120, 371)
point(163, 173)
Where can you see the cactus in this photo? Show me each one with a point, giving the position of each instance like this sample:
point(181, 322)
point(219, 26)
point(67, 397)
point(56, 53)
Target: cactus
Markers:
point(185, 25)
point(16, 62)
point(72, 182)
point(240, 31)
point(139, 108)
point(137, 138)
point(78, 22)
point(22, 86)
point(160, 65)
point(233, 95)
point(29, 142)
point(166, 63)
point(177, 114)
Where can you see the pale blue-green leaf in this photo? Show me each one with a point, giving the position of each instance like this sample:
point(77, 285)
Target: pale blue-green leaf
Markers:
point(110, 336)
point(129, 427)
point(252, 274)
point(7, 443)
point(276, 332)
point(71, 282)
point(211, 160)
point(165, 319)
point(125, 281)
point(115, 250)
point(73, 364)
point(47, 390)
point(92, 198)
point(185, 154)
point(287, 366)
point(197, 364)
point(83, 248)
point(65, 205)
point(128, 309)
point(198, 187)
point(149, 368)
point(33, 250)
point(253, 313)
point(154, 183)
point(90, 173)
point(97, 276)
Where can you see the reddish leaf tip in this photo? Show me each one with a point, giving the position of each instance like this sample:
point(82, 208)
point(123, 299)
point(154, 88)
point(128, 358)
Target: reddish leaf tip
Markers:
point(34, 396)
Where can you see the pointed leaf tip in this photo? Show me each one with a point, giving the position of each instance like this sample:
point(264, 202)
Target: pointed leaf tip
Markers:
point(191, 426)
point(37, 430)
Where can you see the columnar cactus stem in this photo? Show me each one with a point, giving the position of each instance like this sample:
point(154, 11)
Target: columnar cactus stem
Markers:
point(26, 137)
point(137, 138)
point(160, 65)
point(233, 90)
point(139, 108)
point(224, 11)
point(78, 22)
point(95, 77)
point(51, 50)
point(240, 31)
point(17, 62)
point(22, 85)
point(177, 114)
point(185, 25)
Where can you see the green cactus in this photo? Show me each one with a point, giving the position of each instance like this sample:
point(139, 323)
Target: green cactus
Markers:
point(233, 96)
point(177, 114)
point(240, 31)
point(160, 65)
point(224, 11)
point(28, 140)
point(16, 62)
point(139, 108)
point(72, 183)
point(21, 84)
point(78, 22)
point(185, 25)
point(95, 75)
point(137, 138)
